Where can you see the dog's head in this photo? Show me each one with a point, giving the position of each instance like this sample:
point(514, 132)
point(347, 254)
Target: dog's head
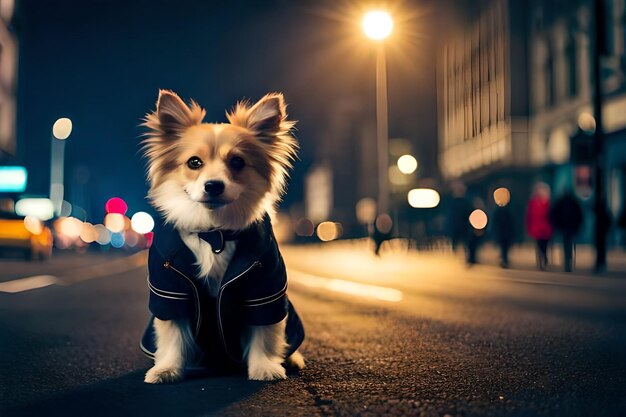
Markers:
point(205, 175)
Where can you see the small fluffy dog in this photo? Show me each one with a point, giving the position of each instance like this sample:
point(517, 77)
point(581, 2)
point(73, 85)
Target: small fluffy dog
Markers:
point(216, 277)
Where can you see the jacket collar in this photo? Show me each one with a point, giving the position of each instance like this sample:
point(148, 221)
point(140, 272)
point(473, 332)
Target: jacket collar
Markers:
point(252, 242)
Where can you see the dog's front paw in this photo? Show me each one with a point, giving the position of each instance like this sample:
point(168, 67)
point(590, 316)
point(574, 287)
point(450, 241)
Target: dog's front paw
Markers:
point(295, 361)
point(158, 375)
point(266, 370)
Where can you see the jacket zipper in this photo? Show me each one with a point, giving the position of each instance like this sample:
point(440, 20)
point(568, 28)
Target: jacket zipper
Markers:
point(168, 265)
point(219, 306)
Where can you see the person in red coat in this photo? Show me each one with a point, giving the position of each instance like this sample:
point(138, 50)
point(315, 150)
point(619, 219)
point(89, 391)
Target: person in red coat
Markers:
point(538, 223)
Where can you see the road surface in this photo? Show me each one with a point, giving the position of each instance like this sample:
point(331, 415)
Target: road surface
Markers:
point(416, 334)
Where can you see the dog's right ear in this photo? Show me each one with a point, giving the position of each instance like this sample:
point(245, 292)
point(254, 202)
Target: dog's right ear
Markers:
point(172, 116)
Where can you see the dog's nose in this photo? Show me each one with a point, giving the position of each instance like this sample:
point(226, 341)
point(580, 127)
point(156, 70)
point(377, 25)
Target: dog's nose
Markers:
point(214, 188)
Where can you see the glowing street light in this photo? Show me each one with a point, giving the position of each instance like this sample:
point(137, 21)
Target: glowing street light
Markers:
point(61, 130)
point(378, 25)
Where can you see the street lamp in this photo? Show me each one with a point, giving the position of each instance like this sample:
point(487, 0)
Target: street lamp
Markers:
point(378, 25)
point(61, 130)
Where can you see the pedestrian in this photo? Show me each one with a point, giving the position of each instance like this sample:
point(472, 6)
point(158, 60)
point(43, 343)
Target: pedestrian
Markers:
point(566, 216)
point(502, 227)
point(621, 224)
point(457, 218)
point(538, 222)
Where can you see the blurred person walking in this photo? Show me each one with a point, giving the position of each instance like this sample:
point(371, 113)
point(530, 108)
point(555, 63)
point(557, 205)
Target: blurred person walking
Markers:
point(457, 218)
point(503, 230)
point(538, 222)
point(566, 216)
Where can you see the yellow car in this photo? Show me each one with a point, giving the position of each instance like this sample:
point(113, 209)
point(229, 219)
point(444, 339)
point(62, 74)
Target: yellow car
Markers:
point(27, 235)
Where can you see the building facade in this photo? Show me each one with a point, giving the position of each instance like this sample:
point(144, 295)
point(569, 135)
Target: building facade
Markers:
point(8, 71)
point(515, 84)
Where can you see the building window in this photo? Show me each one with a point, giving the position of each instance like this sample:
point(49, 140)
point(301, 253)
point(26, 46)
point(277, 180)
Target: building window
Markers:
point(571, 61)
point(549, 76)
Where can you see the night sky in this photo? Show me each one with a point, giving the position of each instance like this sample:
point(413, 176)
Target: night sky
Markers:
point(101, 64)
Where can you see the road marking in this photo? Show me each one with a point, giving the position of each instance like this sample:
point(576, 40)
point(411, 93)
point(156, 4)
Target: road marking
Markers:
point(113, 267)
point(28, 283)
point(347, 287)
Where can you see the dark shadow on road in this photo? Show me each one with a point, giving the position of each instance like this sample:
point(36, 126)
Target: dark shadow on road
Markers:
point(129, 395)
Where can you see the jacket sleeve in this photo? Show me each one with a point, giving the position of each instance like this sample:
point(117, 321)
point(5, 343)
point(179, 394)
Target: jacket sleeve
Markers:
point(170, 296)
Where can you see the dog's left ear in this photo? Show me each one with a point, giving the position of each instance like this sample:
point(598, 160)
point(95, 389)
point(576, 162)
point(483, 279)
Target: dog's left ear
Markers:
point(267, 118)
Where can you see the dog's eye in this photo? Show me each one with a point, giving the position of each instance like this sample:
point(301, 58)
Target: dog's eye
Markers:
point(194, 162)
point(237, 163)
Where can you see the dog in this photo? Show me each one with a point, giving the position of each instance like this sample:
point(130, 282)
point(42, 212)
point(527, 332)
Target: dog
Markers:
point(216, 277)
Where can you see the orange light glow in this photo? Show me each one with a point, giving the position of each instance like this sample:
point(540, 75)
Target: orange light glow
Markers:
point(88, 233)
point(327, 231)
point(69, 226)
point(501, 196)
point(115, 222)
point(478, 219)
point(377, 25)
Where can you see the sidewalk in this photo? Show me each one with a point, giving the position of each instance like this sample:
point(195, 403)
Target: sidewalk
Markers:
point(354, 259)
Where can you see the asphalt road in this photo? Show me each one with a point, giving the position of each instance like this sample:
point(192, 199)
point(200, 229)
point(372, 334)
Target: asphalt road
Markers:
point(404, 335)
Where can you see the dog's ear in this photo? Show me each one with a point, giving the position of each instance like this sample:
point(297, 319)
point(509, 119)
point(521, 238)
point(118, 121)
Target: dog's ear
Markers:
point(266, 118)
point(172, 116)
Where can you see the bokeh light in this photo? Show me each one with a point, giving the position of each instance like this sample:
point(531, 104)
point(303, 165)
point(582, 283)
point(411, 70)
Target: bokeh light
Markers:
point(62, 128)
point(88, 233)
point(116, 205)
point(478, 219)
point(69, 226)
point(423, 198)
point(149, 238)
point(305, 227)
point(66, 209)
point(142, 222)
point(41, 208)
point(33, 225)
point(104, 235)
point(384, 223)
point(377, 24)
point(407, 164)
point(115, 222)
point(366, 210)
point(131, 238)
point(587, 122)
point(501, 196)
point(117, 240)
point(327, 231)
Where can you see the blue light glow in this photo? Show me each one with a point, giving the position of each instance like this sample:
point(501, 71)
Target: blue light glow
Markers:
point(13, 179)
point(117, 240)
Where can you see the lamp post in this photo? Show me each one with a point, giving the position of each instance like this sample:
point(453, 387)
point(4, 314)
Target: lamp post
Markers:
point(377, 26)
point(61, 130)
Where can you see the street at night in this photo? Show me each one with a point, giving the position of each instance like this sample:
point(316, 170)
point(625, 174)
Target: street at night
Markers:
point(313, 208)
point(428, 337)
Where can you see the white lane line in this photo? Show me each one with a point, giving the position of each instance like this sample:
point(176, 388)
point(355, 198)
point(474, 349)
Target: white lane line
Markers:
point(346, 287)
point(28, 283)
point(100, 270)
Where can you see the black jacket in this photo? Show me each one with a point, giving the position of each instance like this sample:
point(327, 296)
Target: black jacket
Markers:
point(252, 292)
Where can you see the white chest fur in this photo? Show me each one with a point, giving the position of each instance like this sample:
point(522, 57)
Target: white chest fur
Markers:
point(211, 266)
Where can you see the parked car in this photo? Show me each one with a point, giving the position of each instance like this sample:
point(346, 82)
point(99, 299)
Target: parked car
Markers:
point(26, 235)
